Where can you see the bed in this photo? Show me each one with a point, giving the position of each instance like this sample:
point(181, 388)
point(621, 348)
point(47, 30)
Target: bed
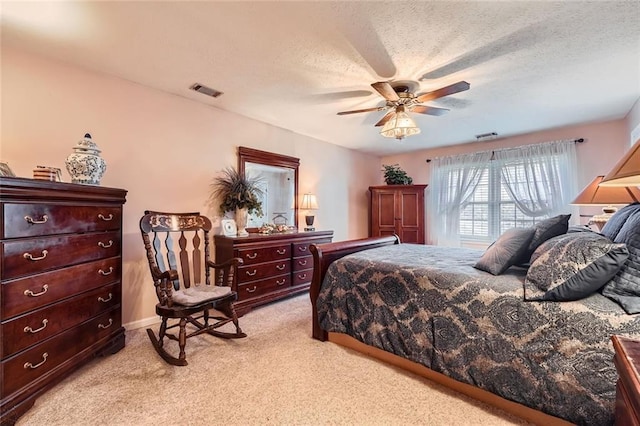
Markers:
point(427, 309)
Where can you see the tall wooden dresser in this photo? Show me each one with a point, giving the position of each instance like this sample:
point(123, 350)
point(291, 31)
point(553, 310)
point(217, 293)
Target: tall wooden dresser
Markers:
point(399, 210)
point(60, 278)
point(275, 265)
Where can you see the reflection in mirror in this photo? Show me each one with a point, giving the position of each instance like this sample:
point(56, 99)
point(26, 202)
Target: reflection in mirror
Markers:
point(279, 174)
point(277, 185)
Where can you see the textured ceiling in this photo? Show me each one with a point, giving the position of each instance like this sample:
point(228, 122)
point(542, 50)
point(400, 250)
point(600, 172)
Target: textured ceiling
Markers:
point(531, 65)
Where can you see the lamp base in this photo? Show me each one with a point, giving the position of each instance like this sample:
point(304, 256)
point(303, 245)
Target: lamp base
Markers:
point(309, 220)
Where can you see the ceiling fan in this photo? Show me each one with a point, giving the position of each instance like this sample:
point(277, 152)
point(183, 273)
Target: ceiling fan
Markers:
point(400, 99)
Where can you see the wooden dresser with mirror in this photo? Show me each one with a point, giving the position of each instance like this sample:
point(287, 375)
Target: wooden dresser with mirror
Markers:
point(275, 265)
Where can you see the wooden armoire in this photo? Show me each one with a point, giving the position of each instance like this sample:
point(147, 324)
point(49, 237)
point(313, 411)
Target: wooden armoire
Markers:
point(397, 209)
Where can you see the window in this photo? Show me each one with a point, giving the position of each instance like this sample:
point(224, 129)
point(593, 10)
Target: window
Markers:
point(474, 198)
point(490, 210)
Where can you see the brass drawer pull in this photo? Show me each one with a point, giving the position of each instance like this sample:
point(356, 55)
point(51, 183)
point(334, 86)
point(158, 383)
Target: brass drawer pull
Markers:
point(28, 329)
point(45, 288)
point(44, 359)
point(106, 326)
point(107, 245)
point(251, 290)
point(33, 221)
point(302, 276)
point(100, 299)
point(255, 271)
point(302, 248)
point(30, 256)
point(281, 282)
point(302, 262)
point(281, 267)
point(104, 274)
point(281, 251)
point(106, 219)
point(249, 256)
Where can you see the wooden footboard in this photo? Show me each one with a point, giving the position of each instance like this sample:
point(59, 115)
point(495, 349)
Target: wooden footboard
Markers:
point(324, 255)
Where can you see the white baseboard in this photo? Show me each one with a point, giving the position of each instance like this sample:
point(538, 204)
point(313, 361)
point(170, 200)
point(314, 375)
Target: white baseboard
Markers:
point(142, 323)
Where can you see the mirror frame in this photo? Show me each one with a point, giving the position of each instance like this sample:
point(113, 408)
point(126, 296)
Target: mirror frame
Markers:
point(250, 155)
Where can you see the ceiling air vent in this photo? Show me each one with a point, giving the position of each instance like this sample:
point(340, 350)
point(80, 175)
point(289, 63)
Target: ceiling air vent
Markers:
point(205, 90)
point(487, 136)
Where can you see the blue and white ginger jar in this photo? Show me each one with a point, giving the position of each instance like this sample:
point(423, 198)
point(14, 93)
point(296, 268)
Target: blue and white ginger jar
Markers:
point(85, 164)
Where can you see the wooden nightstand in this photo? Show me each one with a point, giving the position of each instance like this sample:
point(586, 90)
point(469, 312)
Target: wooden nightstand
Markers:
point(627, 361)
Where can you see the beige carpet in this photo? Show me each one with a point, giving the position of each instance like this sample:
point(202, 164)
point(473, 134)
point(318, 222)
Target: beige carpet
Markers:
point(277, 375)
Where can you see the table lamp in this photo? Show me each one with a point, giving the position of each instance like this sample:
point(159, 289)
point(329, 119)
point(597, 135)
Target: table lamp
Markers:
point(607, 196)
point(309, 203)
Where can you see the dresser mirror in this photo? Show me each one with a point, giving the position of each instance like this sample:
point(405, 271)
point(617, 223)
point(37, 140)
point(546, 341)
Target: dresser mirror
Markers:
point(279, 181)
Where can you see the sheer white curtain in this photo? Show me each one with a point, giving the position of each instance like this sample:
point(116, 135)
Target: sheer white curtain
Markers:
point(541, 178)
point(453, 181)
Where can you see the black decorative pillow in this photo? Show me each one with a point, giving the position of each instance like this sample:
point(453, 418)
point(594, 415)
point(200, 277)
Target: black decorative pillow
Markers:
point(572, 266)
point(617, 221)
point(504, 252)
point(624, 288)
point(545, 230)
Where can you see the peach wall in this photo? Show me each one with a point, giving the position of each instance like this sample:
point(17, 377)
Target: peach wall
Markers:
point(633, 123)
point(604, 144)
point(162, 148)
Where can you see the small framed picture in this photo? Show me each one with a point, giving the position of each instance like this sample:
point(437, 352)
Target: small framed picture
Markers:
point(5, 170)
point(229, 227)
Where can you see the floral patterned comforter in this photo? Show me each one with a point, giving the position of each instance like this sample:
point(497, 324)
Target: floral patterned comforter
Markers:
point(429, 305)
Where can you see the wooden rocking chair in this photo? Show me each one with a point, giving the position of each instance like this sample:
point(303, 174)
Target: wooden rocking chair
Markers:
point(182, 294)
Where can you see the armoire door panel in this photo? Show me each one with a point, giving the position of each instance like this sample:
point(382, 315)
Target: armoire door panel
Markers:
point(386, 210)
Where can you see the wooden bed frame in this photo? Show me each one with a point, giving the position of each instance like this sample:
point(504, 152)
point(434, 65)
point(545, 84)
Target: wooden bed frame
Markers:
point(323, 256)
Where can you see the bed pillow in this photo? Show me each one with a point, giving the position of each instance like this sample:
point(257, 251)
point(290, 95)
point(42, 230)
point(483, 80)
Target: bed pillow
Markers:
point(573, 266)
point(504, 252)
point(545, 230)
point(624, 288)
point(613, 226)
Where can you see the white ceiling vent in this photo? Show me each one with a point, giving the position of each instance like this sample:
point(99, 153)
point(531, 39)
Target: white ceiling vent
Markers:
point(487, 136)
point(205, 90)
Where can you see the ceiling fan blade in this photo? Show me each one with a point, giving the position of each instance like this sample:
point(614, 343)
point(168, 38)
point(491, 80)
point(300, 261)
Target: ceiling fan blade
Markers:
point(384, 119)
point(386, 90)
point(424, 109)
point(460, 86)
point(356, 111)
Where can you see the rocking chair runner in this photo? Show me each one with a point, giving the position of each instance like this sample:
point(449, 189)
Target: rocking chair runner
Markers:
point(181, 293)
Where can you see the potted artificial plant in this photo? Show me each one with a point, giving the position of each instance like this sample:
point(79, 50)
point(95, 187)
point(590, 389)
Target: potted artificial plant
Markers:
point(394, 175)
point(238, 194)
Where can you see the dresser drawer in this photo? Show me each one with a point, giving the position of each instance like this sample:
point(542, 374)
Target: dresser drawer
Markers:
point(26, 330)
point(25, 294)
point(302, 248)
point(27, 366)
point(260, 287)
point(263, 270)
point(27, 220)
point(301, 263)
point(33, 255)
point(264, 254)
point(302, 277)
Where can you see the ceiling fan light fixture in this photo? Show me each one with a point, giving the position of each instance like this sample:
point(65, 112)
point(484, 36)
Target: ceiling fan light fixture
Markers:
point(400, 126)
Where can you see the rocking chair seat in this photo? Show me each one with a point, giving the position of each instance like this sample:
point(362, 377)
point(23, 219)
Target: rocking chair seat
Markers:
point(196, 295)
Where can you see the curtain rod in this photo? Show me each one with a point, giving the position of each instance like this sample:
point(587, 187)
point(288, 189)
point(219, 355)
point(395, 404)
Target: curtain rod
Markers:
point(579, 140)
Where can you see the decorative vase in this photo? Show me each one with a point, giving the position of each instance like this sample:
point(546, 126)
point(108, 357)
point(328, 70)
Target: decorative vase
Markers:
point(85, 164)
point(241, 221)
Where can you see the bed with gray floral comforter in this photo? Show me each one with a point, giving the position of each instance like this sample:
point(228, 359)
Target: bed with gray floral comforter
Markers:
point(429, 305)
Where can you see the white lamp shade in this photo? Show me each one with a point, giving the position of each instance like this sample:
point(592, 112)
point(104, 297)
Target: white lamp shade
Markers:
point(309, 202)
point(627, 171)
point(400, 126)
